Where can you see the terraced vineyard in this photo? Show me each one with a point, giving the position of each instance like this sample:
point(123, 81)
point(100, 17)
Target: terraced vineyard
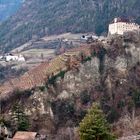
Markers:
point(38, 76)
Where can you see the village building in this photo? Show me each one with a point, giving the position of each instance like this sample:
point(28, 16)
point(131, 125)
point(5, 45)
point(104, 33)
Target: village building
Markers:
point(87, 37)
point(23, 135)
point(11, 57)
point(120, 26)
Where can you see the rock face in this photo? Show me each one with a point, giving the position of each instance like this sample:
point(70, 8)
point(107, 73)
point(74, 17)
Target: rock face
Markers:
point(88, 74)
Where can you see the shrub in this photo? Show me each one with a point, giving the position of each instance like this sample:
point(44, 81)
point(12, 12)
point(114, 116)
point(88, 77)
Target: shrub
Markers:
point(136, 98)
point(85, 97)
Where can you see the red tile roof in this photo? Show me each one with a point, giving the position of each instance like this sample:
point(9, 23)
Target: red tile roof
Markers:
point(22, 135)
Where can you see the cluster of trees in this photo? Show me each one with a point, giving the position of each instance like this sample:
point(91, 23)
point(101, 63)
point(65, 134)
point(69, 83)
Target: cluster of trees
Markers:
point(7, 71)
point(17, 121)
point(52, 79)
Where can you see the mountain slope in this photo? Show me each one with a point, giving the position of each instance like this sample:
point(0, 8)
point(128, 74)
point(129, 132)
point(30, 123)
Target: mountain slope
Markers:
point(110, 77)
point(40, 17)
point(8, 7)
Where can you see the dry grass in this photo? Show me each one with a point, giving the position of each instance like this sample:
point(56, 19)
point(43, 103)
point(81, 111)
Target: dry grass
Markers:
point(37, 53)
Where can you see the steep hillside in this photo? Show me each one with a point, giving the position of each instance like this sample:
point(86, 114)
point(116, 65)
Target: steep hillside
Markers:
point(110, 76)
point(8, 8)
point(37, 18)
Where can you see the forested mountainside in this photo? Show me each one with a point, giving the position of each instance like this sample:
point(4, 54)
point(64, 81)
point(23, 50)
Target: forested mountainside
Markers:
point(8, 8)
point(38, 18)
point(109, 76)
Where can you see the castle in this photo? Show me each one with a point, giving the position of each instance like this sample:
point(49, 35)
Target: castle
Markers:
point(120, 26)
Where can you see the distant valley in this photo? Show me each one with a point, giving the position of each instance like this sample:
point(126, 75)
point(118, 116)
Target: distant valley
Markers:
point(8, 8)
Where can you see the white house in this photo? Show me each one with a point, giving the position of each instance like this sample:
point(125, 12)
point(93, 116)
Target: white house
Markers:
point(18, 58)
point(120, 26)
point(21, 58)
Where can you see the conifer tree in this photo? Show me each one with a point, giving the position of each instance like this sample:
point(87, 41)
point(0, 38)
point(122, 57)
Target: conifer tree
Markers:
point(20, 119)
point(94, 126)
